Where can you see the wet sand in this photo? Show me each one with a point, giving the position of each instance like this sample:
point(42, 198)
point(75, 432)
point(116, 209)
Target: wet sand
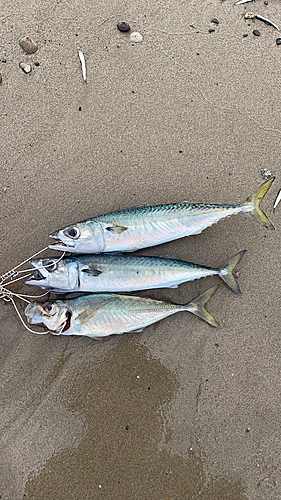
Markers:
point(182, 410)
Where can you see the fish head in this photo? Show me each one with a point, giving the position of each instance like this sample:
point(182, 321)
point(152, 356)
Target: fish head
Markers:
point(54, 315)
point(54, 273)
point(83, 237)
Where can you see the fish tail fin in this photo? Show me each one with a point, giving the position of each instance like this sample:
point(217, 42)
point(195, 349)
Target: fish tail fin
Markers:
point(226, 272)
point(255, 200)
point(197, 306)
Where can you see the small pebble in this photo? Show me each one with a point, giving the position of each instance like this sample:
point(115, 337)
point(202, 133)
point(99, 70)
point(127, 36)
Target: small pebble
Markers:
point(127, 427)
point(0, 78)
point(266, 174)
point(136, 37)
point(28, 45)
point(36, 64)
point(266, 2)
point(248, 429)
point(215, 21)
point(123, 27)
point(245, 35)
point(25, 67)
point(212, 31)
point(278, 41)
point(256, 32)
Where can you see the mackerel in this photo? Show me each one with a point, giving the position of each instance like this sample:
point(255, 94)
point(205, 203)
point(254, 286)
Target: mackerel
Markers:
point(123, 273)
point(146, 226)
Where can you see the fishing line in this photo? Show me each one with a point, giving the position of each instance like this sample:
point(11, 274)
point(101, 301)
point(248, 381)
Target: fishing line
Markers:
point(13, 273)
point(7, 296)
point(10, 274)
point(22, 321)
point(54, 261)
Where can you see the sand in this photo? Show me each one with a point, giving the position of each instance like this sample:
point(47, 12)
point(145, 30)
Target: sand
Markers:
point(182, 410)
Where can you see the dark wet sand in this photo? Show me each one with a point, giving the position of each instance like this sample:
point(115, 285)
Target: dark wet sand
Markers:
point(181, 116)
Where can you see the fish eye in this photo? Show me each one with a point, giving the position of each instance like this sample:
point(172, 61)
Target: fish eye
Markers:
point(73, 232)
point(49, 308)
point(50, 265)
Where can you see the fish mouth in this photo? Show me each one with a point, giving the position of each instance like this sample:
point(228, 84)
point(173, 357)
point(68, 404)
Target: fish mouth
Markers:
point(59, 245)
point(37, 277)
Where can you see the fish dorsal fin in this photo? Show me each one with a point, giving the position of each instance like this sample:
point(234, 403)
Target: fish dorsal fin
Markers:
point(116, 229)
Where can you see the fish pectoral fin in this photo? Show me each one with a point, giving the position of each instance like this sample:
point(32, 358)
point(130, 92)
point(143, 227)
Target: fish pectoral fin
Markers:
point(173, 286)
point(136, 331)
point(91, 271)
point(116, 229)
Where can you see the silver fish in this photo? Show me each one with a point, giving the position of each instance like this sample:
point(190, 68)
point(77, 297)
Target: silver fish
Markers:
point(100, 315)
point(141, 227)
point(123, 273)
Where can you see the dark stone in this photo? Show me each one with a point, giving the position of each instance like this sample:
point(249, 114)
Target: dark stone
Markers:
point(245, 35)
point(278, 41)
point(212, 31)
point(36, 64)
point(127, 427)
point(123, 27)
point(215, 21)
point(256, 32)
point(79, 108)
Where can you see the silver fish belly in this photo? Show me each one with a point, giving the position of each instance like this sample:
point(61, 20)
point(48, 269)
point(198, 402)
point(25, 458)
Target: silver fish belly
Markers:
point(142, 227)
point(123, 273)
point(100, 315)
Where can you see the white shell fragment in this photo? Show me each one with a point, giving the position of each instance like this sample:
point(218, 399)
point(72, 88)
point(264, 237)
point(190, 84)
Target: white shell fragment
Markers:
point(83, 64)
point(278, 198)
point(242, 1)
point(249, 15)
point(28, 45)
point(25, 67)
point(267, 21)
point(136, 37)
point(266, 174)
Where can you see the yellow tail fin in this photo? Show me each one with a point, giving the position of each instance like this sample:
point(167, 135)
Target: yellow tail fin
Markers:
point(226, 272)
point(196, 306)
point(256, 212)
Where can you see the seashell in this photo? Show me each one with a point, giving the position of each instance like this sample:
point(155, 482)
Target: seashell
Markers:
point(28, 45)
point(25, 67)
point(123, 27)
point(136, 37)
